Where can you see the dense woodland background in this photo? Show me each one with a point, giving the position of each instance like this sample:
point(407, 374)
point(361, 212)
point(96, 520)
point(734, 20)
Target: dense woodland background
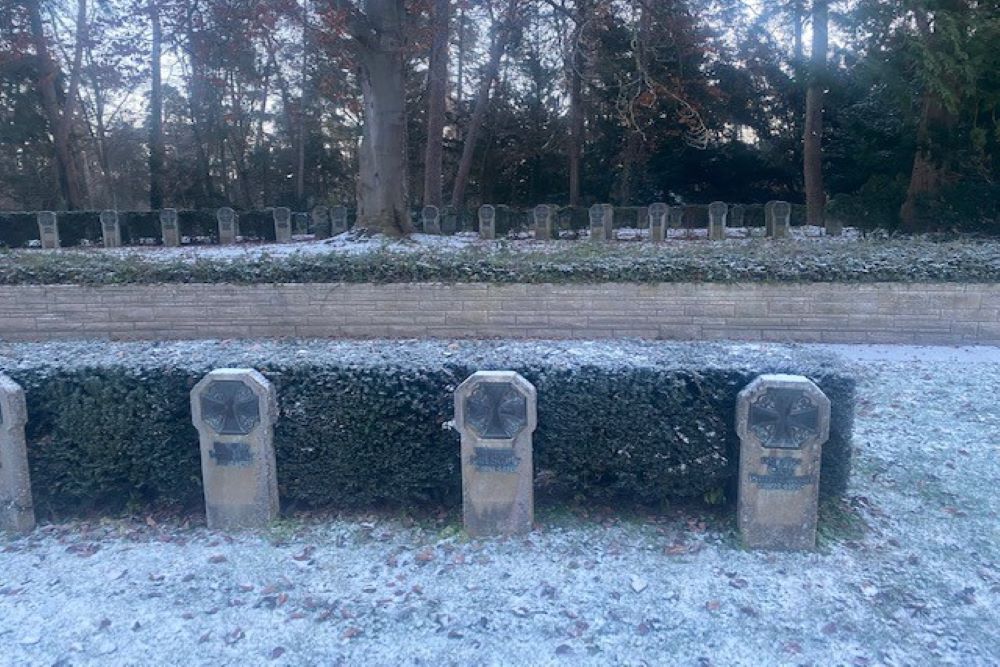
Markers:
point(886, 112)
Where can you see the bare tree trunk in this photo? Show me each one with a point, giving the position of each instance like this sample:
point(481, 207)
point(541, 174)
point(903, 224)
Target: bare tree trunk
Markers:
point(576, 127)
point(813, 152)
point(300, 166)
point(497, 49)
point(383, 200)
point(60, 120)
point(437, 94)
point(156, 149)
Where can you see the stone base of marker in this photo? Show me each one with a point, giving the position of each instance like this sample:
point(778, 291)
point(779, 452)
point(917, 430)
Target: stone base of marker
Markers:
point(495, 412)
point(234, 410)
point(169, 228)
point(782, 421)
point(17, 513)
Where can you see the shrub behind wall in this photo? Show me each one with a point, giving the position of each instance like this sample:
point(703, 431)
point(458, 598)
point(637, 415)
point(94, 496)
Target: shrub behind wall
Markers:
point(364, 422)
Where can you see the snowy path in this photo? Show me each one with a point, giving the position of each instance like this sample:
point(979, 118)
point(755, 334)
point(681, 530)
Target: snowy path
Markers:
point(920, 586)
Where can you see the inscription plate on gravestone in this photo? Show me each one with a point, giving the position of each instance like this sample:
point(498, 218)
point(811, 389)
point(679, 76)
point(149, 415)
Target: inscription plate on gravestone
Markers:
point(782, 421)
point(234, 410)
point(17, 512)
point(496, 415)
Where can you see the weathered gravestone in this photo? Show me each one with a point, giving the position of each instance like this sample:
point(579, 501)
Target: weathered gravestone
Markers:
point(48, 229)
point(609, 221)
point(544, 228)
point(282, 224)
point(17, 512)
point(658, 221)
point(487, 222)
point(736, 215)
point(449, 220)
point(718, 211)
point(495, 411)
point(769, 219)
point(227, 225)
point(782, 421)
point(338, 220)
point(111, 231)
point(234, 410)
point(602, 220)
point(781, 219)
point(432, 220)
point(169, 229)
point(675, 217)
point(300, 223)
point(321, 222)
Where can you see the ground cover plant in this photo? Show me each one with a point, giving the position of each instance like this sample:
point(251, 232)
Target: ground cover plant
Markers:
point(363, 423)
point(750, 260)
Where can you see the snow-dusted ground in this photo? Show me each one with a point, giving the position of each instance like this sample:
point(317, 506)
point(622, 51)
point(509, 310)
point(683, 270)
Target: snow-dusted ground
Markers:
point(352, 244)
point(919, 586)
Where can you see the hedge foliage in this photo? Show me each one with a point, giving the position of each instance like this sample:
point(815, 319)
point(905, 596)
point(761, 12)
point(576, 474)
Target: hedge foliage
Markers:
point(894, 260)
point(363, 423)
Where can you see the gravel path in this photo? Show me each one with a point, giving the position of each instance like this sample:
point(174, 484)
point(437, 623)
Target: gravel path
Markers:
point(908, 572)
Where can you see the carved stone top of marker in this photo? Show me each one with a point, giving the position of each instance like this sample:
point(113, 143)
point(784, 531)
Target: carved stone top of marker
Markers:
point(320, 214)
point(226, 215)
point(13, 412)
point(282, 216)
point(495, 411)
point(168, 218)
point(46, 218)
point(596, 215)
point(430, 212)
point(675, 216)
point(542, 213)
point(431, 217)
point(658, 211)
point(487, 212)
point(109, 218)
point(782, 422)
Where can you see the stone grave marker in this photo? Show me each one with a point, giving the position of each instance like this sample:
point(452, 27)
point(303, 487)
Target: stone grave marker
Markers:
point(282, 224)
point(432, 219)
point(449, 220)
point(495, 411)
point(675, 217)
point(544, 228)
point(17, 512)
point(718, 211)
point(234, 410)
point(736, 215)
point(300, 223)
point(169, 229)
point(227, 225)
point(769, 219)
point(782, 421)
point(609, 221)
point(321, 222)
point(658, 221)
point(781, 219)
point(111, 231)
point(48, 229)
point(487, 222)
point(338, 220)
point(596, 223)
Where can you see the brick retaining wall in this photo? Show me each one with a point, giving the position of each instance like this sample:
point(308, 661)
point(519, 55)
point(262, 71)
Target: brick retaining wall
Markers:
point(819, 312)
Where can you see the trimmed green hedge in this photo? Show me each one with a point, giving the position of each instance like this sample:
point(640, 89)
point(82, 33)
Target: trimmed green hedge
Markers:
point(364, 422)
point(909, 260)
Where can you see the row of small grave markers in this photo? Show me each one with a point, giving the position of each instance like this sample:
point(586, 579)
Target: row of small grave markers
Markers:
point(782, 422)
point(330, 222)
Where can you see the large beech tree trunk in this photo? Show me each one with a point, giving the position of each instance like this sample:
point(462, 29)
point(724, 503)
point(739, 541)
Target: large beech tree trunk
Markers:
point(156, 150)
point(437, 95)
point(60, 119)
point(383, 200)
point(813, 151)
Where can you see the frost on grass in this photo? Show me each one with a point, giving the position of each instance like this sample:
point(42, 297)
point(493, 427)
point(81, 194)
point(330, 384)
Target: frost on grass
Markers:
point(908, 571)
